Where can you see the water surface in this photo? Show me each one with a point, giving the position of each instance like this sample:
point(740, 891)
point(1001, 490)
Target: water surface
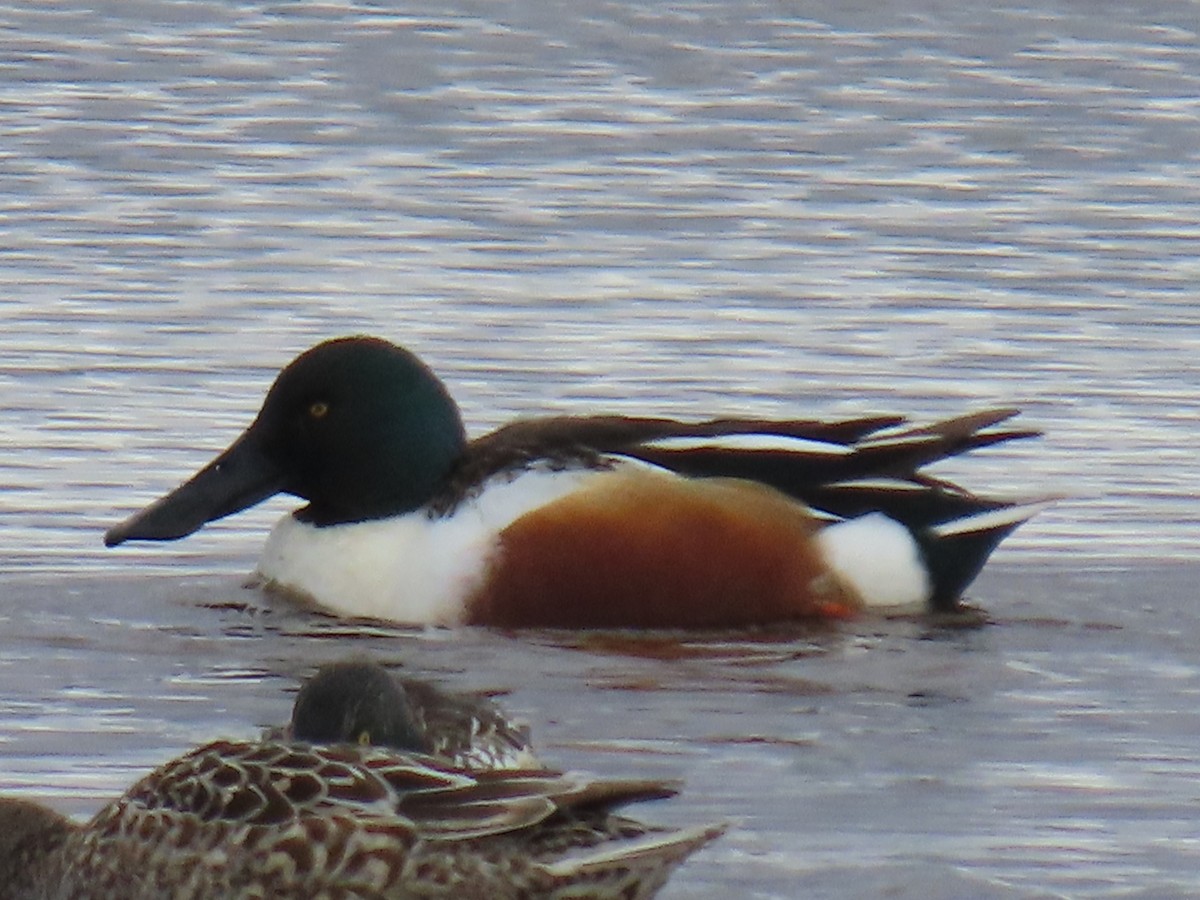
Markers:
point(711, 209)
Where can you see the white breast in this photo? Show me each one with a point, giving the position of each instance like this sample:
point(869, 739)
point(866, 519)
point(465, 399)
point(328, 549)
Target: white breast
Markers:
point(412, 568)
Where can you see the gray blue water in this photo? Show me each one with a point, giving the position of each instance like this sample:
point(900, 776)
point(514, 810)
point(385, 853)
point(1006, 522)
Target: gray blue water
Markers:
point(701, 209)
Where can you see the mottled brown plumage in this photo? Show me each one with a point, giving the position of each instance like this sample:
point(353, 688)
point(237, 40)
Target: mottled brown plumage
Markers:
point(284, 820)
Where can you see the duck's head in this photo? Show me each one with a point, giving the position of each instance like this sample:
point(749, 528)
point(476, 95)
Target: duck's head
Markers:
point(355, 702)
point(358, 427)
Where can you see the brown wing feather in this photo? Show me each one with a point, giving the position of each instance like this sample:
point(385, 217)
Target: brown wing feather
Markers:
point(864, 448)
point(470, 730)
point(574, 440)
point(267, 783)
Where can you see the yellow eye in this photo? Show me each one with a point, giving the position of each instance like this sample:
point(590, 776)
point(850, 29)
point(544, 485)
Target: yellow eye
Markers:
point(364, 739)
point(318, 409)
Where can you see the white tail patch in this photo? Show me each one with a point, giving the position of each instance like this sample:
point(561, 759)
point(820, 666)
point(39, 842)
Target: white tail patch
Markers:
point(879, 558)
point(986, 521)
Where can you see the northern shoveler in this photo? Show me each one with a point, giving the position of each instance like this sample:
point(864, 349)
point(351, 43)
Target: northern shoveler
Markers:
point(286, 820)
point(596, 521)
point(360, 702)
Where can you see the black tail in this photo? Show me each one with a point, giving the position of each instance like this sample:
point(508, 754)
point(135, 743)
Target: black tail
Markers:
point(955, 551)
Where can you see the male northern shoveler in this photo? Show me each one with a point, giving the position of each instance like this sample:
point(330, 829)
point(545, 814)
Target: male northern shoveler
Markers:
point(359, 701)
point(285, 820)
point(597, 521)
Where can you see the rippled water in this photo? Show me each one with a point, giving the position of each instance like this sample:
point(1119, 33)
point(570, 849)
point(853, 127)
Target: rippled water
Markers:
point(708, 209)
